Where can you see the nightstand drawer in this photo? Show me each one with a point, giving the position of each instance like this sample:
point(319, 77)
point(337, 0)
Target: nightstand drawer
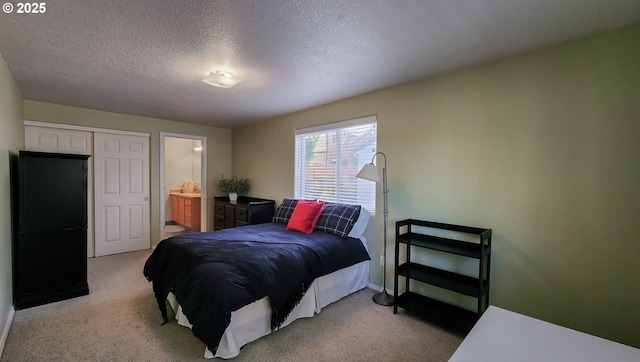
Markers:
point(218, 221)
point(229, 212)
point(241, 214)
point(219, 209)
point(228, 222)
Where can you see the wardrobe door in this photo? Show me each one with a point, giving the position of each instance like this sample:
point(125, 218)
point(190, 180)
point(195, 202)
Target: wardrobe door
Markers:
point(51, 267)
point(53, 191)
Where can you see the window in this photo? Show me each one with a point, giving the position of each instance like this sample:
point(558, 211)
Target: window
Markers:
point(328, 157)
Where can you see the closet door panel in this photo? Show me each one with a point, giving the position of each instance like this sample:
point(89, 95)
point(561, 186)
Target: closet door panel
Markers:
point(45, 139)
point(121, 193)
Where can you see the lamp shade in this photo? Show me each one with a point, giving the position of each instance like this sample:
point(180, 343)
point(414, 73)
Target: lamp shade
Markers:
point(369, 172)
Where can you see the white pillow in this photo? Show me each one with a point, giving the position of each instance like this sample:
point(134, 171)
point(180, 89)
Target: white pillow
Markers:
point(361, 224)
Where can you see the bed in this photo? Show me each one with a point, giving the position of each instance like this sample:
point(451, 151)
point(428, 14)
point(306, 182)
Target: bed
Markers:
point(236, 285)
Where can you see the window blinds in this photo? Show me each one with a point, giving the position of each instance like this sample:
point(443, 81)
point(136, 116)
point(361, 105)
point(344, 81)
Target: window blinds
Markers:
point(328, 157)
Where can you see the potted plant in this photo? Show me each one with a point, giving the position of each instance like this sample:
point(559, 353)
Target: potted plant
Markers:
point(234, 186)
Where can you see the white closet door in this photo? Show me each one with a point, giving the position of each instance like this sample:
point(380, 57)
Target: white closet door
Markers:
point(57, 140)
point(122, 220)
point(45, 139)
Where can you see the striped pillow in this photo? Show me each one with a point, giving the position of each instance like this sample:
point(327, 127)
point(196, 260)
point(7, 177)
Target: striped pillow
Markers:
point(285, 209)
point(338, 218)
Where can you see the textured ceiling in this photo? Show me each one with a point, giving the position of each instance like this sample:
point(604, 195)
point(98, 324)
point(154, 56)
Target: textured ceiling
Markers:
point(147, 57)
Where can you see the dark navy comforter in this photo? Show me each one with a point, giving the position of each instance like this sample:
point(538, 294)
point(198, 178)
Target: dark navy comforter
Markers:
point(215, 273)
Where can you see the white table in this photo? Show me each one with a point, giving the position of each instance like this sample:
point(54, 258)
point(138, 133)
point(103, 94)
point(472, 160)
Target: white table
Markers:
point(502, 335)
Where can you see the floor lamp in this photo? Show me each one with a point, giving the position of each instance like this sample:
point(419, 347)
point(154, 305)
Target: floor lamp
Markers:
point(370, 172)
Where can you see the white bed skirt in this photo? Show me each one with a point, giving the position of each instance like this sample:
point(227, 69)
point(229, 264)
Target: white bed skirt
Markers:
point(254, 320)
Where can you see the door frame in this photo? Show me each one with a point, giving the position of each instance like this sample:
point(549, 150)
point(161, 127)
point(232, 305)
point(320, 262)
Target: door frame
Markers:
point(203, 178)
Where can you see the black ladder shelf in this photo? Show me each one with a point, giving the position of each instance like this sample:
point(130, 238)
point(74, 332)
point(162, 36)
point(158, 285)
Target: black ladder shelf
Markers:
point(422, 234)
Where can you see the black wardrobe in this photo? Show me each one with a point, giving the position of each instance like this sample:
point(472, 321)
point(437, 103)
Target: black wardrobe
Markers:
point(50, 228)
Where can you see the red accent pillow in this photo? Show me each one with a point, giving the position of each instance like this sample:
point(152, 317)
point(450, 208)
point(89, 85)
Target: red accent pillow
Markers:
point(304, 216)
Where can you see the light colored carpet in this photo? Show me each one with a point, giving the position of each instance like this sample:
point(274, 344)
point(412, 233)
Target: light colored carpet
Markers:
point(119, 321)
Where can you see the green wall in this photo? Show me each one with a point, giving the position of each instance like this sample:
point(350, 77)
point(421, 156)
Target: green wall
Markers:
point(544, 148)
point(218, 145)
point(11, 141)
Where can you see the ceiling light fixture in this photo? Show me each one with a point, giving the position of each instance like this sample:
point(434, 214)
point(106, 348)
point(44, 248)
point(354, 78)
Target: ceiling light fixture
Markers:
point(221, 79)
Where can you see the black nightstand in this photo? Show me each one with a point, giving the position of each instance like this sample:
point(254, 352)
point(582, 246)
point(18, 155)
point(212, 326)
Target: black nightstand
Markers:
point(244, 211)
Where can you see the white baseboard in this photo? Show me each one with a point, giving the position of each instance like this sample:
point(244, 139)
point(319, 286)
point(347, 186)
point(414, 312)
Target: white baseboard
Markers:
point(5, 331)
point(378, 288)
